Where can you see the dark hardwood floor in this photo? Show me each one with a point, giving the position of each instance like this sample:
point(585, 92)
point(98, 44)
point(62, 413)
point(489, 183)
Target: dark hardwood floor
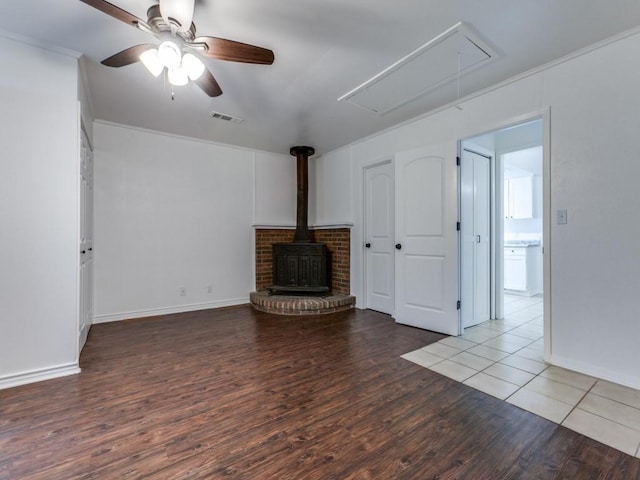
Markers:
point(238, 394)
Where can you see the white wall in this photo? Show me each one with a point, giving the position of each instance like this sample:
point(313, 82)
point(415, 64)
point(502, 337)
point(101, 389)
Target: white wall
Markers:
point(172, 212)
point(39, 213)
point(330, 201)
point(594, 109)
point(275, 187)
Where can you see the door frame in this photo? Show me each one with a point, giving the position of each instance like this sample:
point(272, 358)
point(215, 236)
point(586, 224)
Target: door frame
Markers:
point(543, 114)
point(364, 167)
point(83, 330)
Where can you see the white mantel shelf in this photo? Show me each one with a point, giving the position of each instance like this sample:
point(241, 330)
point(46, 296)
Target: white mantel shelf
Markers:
point(311, 227)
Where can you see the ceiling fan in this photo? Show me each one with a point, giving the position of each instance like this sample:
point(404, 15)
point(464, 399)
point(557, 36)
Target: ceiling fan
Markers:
point(170, 21)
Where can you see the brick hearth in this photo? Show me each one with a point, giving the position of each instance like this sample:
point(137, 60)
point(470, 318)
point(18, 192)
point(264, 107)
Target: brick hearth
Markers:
point(295, 305)
point(337, 241)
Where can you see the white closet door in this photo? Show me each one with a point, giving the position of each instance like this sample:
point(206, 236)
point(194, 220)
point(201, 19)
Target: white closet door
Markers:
point(427, 239)
point(475, 212)
point(482, 228)
point(86, 241)
point(379, 238)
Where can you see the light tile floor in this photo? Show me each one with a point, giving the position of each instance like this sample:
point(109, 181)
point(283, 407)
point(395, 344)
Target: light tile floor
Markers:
point(505, 359)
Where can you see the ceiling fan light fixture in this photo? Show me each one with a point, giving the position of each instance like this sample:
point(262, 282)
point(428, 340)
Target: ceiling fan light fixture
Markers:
point(192, 66)
point(178, 76)
point(151, 60)
point(178, 13)
point(169, 54)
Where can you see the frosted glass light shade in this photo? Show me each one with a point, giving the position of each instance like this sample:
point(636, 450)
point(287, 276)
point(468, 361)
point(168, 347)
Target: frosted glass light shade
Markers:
point(169, 54)
point(178, 76)
point(151, 60)
point(193, 66)
point(180, 11)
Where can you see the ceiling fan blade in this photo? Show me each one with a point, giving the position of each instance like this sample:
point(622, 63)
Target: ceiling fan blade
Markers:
point(117, 13)
point(208, 84)
point(127, 56)
point(232, 51)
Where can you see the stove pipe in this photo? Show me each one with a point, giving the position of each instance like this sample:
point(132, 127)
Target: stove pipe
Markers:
point(302, 155)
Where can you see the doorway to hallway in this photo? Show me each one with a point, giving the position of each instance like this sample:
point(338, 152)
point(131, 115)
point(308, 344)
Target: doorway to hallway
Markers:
point(502, 220)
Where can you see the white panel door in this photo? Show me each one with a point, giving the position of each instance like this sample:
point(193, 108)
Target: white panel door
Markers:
point(379, 237)
point(427, 239)
point(475, 216)
point(86, 241)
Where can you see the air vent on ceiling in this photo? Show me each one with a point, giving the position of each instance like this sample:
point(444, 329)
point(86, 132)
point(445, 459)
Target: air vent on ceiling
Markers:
point(225, 117)
point(454, 52)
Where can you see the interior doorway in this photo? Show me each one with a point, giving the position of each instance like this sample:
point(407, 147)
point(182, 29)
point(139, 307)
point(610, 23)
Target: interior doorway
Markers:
point(502, 222)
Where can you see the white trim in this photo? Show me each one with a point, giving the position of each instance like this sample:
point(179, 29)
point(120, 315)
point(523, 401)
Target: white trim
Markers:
point(254, 196)
point(595, 371)
point(464, 29)
point(82, 336)
point(330, 226)
point(78, 225)
point(182, 137)
point(38, 375)
point(84, 79)
point(274, 226)
point(16, 37)
point(546, 232)
point(327, 226)
point(254, 172)
point(116, 317)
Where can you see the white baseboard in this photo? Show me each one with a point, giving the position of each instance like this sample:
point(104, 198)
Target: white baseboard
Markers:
point(597, 372)
point(38, 375)
point(116, 317)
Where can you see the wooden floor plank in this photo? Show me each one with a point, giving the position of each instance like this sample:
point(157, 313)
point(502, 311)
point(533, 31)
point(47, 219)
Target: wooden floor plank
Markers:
point(238, 394)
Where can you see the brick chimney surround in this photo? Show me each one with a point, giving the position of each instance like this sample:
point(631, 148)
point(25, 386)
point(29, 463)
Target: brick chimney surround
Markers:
point(302, 270)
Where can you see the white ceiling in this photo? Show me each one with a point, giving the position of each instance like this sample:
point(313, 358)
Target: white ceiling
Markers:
point(323, 49)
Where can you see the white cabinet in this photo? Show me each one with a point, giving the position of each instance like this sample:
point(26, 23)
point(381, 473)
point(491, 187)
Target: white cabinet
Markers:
point(518, 197)
point(515, 268)
point(521, 269)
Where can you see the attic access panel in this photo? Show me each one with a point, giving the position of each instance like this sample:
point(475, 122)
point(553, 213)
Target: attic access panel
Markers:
point(430, 66)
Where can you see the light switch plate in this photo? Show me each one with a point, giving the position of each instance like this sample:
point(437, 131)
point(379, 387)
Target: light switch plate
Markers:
point(562, 217)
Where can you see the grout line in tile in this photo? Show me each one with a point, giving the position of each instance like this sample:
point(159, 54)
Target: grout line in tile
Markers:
point(605, 418)
point(613, 399)
point(579, 402)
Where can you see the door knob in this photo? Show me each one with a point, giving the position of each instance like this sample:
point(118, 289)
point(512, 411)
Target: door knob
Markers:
point(83, 252)
point(398, 246)
point(477, 238)
point(368, 245)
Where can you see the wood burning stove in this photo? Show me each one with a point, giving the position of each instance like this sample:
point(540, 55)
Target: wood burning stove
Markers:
point(301, 267)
